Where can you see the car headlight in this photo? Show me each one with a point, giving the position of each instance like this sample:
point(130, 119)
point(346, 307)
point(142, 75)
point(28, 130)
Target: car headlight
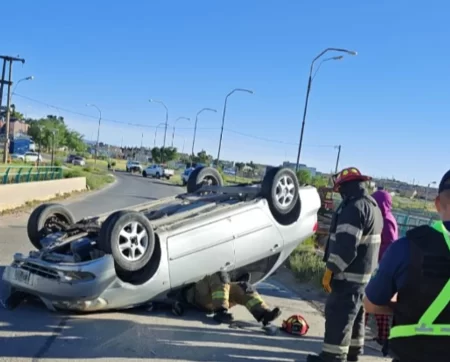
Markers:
point(77, 276)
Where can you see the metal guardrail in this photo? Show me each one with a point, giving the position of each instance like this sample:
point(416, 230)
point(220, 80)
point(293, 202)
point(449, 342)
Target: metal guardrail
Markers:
point(20, 174)
point(406, 222)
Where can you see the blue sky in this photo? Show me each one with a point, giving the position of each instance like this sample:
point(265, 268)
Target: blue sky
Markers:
point(388, 107)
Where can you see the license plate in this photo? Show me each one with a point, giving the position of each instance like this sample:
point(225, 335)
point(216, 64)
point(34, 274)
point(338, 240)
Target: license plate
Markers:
point(22, 276)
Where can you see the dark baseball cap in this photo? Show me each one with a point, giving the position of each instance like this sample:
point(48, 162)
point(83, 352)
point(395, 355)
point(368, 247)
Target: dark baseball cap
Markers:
point(445, 182)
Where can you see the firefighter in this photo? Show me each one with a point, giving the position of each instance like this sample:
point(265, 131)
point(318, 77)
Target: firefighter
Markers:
point(412, 282)
point(351, 255)
point(217, 294)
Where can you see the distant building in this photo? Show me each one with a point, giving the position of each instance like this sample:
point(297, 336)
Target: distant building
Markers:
point(16, 127)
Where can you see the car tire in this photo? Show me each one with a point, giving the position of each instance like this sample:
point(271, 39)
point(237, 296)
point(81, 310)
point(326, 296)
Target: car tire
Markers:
point(281, 190)
point(130, 258)
point(157, 175)
point(201, 176)
point(47, 219)
point(144, 173)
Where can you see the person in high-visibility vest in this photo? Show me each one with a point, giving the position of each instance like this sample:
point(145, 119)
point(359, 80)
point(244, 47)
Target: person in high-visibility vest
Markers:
point(412, 282)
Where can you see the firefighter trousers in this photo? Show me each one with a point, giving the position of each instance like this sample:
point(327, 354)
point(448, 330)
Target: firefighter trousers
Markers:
point(216, 292)
point(344, 323)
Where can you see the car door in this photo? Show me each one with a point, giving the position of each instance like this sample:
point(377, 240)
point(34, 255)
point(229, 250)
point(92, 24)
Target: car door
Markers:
point(256, 236)
point(200, 251)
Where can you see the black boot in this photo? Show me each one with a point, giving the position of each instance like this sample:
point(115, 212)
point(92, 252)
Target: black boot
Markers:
point(223, 316)
point(353, 358)
point(270, 316)
point(314, 358)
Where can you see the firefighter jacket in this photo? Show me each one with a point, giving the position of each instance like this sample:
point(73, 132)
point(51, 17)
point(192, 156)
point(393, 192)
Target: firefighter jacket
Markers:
point(421, 329)
point(352, 249)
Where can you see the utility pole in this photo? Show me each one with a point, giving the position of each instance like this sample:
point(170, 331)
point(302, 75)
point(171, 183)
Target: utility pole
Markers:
point(337, 159)
point(8, 101)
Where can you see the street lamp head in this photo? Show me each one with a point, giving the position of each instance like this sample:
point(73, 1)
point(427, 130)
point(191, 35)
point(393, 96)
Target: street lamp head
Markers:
point(31, 77)
point(339, 57)
point(351, 52)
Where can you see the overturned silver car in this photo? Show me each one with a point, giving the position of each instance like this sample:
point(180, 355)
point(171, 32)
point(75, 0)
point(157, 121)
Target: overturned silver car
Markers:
point(141, 254)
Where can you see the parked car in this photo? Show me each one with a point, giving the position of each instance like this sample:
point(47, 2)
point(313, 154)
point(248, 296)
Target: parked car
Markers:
point(70, 158)
point(28, 157)
point(78, 161)
point(130, 257)
point(133, 166)
point(158, 171)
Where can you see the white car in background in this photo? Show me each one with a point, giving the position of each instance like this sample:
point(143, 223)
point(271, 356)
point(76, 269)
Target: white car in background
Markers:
point(78, 161)
point(133, 166)
point(158, 171)
point(28, 157)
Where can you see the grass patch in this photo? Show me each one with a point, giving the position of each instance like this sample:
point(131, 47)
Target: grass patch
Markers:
point(306, 265)
point(96, 177)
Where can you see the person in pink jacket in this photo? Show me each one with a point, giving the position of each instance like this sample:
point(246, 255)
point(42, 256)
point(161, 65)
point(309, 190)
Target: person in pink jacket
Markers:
point(389, 234)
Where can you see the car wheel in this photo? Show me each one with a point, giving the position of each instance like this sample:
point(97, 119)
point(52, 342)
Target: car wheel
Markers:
point(203, 176)
point(47, 219)
point(129, 237)
point(157, 175)
point(168, 177)
point(281, 189)
point(144, 174)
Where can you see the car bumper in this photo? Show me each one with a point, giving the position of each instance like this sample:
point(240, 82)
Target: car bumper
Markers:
point(68, 286)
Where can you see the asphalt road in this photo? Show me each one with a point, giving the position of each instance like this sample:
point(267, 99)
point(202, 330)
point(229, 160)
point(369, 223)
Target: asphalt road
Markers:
point(32, 333)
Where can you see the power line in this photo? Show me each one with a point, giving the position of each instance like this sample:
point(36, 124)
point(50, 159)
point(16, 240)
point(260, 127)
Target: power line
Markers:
point(273, 140)
point(151, 126)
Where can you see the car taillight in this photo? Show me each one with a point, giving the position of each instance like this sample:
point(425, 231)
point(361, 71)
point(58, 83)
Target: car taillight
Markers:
point(316, 226)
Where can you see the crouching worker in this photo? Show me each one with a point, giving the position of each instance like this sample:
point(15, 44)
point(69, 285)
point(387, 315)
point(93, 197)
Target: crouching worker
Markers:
point(217, 294)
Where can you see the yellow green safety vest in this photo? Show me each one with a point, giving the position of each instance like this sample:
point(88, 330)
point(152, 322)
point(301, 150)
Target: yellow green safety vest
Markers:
point(426, 326)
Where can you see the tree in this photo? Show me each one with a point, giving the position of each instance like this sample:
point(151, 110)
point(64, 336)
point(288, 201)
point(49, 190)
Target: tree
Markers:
point(319, 181)
point(167, 153)
point(14, 113)
point(239, 166)
point(304, 177)
point(45, 130)
point(251, 165)
point(202, 157)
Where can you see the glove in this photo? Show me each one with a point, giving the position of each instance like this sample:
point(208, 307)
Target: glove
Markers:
point(326, 280)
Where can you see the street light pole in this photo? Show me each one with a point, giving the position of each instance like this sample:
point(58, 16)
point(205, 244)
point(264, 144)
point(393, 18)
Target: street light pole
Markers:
point(31, 77)
point(308, 89)
point(223, 117)
point(98, 131)
point(174, 123)
point(337, 159)
point(167, 117)
point(195, 126)
point(156, 130)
